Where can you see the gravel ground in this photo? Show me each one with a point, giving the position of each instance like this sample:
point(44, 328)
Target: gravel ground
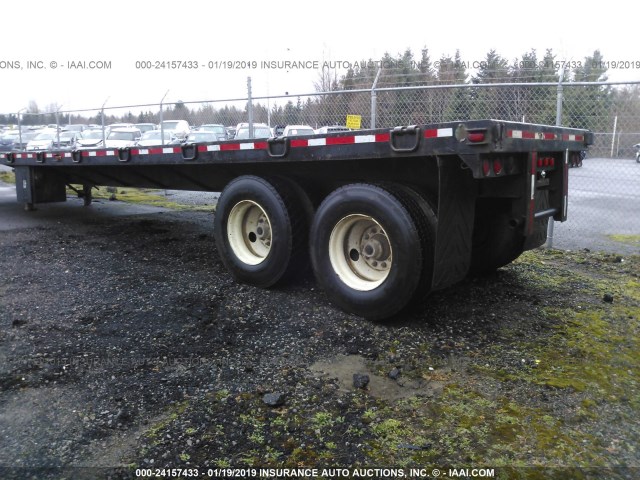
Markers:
point(124, 344)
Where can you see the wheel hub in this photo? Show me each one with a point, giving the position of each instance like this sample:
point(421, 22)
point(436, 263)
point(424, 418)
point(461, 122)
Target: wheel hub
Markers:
point(376, 250)
point(249, 232)
point(360, 252)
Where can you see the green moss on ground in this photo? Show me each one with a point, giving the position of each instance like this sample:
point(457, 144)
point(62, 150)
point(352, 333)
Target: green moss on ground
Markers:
point(8, 177)
point(144, 196)
point(626, 239)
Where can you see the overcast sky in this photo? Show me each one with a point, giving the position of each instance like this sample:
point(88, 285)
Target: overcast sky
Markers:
point(122, 33)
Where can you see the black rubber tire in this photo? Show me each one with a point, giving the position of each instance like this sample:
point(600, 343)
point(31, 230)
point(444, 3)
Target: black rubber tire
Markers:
point(404, 276)
point(423, 216)
point(289, 226)
point(495, 241)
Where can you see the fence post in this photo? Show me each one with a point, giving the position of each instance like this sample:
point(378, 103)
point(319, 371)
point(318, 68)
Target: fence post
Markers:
point(559, 99)
point(20, 128)
point(374, 99)
point(104, 140)
point(162, 118)
point(613, 137)
point(58, 128)
point(249, 107)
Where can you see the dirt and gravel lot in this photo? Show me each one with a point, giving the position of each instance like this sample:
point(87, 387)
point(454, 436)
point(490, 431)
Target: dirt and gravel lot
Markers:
point(124, 344)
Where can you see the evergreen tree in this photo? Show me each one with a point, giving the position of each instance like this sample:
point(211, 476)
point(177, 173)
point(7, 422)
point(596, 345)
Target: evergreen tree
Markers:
point(588, 106)
point(453, 103)
point(492, 102)
point(530, 103)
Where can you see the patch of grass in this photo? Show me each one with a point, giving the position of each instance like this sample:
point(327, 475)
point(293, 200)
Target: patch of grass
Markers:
point(8, 177)
point(633, 240)
point(144, 196)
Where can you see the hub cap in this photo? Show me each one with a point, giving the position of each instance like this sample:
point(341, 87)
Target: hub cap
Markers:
point(360, 252)
point(249, 232)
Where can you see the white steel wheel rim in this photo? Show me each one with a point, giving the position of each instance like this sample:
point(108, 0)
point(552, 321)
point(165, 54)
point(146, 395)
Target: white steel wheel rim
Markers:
point(360, 252)
point(249, 232)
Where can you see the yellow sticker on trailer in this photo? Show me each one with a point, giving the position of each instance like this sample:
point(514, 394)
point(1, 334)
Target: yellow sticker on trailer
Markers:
point(354, 122)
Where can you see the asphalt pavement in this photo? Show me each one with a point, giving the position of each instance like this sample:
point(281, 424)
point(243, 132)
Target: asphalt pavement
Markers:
point(604, 201)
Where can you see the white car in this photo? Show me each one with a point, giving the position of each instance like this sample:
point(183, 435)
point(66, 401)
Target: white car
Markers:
point(68, 140)
point(260, 130)
point(78, 127)
point(295, 130)
point(44, 140)
point(201, 137)
point(176, 128)
point(122, 137)
point(146, 127)
point(90, 139)
point(121, 125)
point(154, 137)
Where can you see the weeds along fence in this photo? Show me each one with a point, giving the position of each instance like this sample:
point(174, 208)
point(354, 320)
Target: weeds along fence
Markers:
point(609, 109)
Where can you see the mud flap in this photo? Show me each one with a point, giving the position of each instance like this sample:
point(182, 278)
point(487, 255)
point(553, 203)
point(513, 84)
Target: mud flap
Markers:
point(456, 211)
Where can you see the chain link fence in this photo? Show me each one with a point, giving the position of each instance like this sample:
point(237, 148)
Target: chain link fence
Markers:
point(604, 191)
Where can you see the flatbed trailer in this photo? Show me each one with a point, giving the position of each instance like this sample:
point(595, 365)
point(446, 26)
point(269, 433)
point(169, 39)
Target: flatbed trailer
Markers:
point(385, 216)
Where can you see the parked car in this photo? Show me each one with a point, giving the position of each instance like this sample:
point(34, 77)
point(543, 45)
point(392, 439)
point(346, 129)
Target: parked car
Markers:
point(145, 127)
point(8, 141)
point(177, 128)
point(278, 130)
point(78, 127)
point(154, 137)
point(122, 137)
point(68, 140)
point(216, 128)
point(42, 141)
point(260, 130)
point(332, 129)
point(200, 137)
point(27, 136)
point(231, 132)
point(90, 139)
point(295, 130)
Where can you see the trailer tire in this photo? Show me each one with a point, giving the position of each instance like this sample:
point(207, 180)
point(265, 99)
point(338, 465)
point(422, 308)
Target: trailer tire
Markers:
point(261, 230)
point(366, 250)
point(423, 216)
